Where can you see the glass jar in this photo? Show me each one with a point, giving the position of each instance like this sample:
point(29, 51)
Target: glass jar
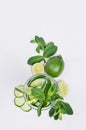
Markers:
point(41, 78)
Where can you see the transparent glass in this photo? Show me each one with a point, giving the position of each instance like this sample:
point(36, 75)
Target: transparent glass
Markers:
point(31, 79)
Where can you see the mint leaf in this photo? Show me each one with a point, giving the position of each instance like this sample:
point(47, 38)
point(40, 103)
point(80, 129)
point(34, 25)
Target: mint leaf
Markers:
point(56, 96)
point(50, 44)
point(40, 41)
point(47, 86)
point(65, 108)
point(52, 90)
point(35, 59)
point(37, 39)
point(38, 93)
point(51, 112)
point(33, 41)
point(38, 49)
point(56, 117)
point(49, 51)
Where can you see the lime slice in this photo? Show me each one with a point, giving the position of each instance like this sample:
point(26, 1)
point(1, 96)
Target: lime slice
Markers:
point(63, 88)
point(37, 68)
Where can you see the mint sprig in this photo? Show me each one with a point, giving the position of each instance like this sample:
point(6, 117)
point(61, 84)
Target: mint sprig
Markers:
point(60, 108)
point(38, 93)
point(48, 94)
point(47, 49)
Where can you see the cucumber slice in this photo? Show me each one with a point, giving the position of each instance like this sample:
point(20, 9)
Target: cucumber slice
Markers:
point(19, 101)
point(26, 107)
point(28, 90)
point(21, 88)
point(17, 93)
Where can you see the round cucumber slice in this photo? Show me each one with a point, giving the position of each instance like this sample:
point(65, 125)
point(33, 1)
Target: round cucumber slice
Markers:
point(23, 90)
point(19, 101)
point(20, 88)
point(26, 107)
point(18, 93)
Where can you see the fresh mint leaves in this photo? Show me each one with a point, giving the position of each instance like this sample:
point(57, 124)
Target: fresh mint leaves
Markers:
point(48, 50)
point(60, 108)
point(46, 95)
point(38, 93)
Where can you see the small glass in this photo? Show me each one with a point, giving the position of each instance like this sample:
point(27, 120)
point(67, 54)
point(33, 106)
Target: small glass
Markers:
point(42, 76)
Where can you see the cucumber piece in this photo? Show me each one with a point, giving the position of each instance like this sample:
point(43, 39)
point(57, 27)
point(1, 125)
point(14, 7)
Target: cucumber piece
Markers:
point(19, 101)
point(17, 93)
point(28, 90)
point(26, 107)
point(21, 88)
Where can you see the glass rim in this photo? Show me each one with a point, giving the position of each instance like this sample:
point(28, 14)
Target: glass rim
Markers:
point(44, 74)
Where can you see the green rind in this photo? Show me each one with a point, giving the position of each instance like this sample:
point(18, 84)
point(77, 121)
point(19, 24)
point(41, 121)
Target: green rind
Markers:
point(19, 101)
point(18, 93)
point(26, 107)
point(20, 88)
